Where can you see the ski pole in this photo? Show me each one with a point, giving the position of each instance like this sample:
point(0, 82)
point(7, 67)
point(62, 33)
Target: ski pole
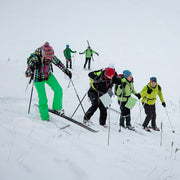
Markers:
point(120, 108)
point(77, 96)
point(173, 131)
point(29, 83)
point(69, 84)
point(31, 93)
point(109, 127)
point(161, 133)
point(112, 109)
point(141, 109)
point(78, 105)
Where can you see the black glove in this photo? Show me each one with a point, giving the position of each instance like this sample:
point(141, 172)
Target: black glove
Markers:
point(138, 96)
point(80, 53)
point(123, 85)
point(149, 90)
point(97, 54)
point(164, 104)
point(68, 73)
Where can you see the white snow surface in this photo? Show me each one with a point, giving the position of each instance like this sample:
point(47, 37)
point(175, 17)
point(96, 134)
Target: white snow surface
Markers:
point(142, 36)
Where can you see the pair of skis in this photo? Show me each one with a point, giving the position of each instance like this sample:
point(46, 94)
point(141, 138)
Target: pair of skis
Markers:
point(72, 120)
point(75, 121)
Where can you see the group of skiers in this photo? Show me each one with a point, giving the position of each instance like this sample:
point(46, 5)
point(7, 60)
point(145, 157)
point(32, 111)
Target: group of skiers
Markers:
point(39, 66)
point(89, 56)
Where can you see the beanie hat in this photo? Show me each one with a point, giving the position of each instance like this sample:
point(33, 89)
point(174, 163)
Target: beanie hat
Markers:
point(109, 72)
point(67, 46)
point(126, 73)
point(47, 51)
point(153, 79)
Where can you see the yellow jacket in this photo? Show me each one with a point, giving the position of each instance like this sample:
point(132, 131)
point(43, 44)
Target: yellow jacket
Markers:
point(150, 99)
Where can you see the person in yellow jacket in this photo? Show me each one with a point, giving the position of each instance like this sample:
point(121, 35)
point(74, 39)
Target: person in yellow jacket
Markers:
point(148, 94)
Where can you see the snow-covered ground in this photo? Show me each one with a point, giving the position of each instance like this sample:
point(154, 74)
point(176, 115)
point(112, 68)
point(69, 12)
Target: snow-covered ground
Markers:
point(142, 36)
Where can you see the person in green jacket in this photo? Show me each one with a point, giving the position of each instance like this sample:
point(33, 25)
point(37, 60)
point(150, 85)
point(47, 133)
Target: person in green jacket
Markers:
point(148, 94)
point(67, 54)
point(89, 54)
point(124, 91)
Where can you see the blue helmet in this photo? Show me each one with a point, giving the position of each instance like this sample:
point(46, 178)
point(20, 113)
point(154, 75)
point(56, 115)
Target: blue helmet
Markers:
point(67, 46)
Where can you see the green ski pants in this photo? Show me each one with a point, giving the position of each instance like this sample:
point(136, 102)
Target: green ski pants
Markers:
point(43, 101)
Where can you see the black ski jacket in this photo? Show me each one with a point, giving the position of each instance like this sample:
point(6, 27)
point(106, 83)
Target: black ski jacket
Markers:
point(101, 84)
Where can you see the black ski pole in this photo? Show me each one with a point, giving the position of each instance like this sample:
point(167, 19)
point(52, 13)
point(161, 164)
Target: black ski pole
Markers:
point(109, 127)
point(173, 131)
point(31, 91)
point(31, 78)
point(141, 109)
point(69, 84)
point(112, 109)
point(120, 108)
point(78, 105)
point(77, 96)
point(161, 133)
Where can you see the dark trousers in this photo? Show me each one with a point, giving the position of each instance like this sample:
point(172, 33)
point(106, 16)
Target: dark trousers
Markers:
point(150, 111)
point(69, 61)
point(96, 103)
point(89, 62)
point(125, 115)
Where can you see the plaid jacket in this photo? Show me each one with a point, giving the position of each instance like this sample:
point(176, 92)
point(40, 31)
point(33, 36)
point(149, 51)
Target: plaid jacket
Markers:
point(42, 66)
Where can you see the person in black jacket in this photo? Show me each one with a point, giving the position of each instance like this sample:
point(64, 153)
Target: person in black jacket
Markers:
point(101, 82)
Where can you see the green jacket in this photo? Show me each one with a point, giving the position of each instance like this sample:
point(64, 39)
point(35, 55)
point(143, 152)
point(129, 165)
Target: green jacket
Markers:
point(150, 99)
point(129, 88)
point(67, 53)
point(89, 53)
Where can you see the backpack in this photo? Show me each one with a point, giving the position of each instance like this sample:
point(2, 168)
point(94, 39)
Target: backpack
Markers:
point(97, 73)
point(120, 76)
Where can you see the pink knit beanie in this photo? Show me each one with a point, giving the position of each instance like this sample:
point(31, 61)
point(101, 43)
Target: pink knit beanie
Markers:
point(47, 51)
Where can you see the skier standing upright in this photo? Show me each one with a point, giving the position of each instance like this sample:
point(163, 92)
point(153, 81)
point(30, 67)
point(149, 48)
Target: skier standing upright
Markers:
point(67, 54)
point(148, 94)
point(124, 91)
point(40, 63)
point(89, 53)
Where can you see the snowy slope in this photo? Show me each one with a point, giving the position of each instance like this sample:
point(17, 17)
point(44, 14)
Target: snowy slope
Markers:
point(33, 149)
point(142, 36)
